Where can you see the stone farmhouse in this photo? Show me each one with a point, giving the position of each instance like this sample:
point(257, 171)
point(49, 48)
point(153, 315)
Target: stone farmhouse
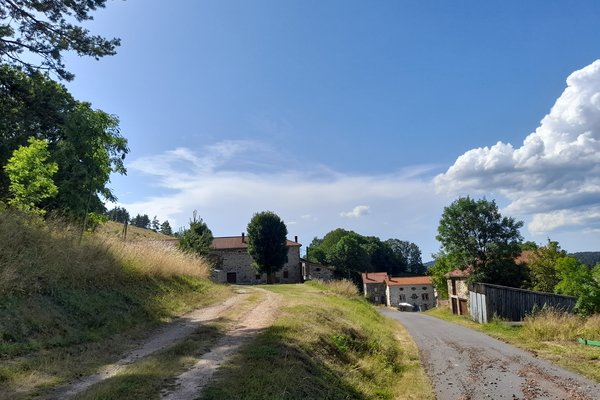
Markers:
point(413, 293)
point(233, 264)
point(374, 286)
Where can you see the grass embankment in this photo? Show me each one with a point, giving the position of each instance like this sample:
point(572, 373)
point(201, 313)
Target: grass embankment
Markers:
point(327, 343)
point(115, 230)
point(549, 334)
point(66, 308)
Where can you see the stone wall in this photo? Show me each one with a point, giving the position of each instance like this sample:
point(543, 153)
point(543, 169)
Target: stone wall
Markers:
point(239, 262)
point(375, 292)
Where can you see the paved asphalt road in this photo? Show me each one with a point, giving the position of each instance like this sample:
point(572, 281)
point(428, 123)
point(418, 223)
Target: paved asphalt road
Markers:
point(464, 364)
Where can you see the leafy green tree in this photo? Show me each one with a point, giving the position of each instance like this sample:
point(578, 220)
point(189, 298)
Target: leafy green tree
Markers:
point(197, 239)
point(118, 214)
point(85, 143)
point(350, 258)
point(141, 221)
point(542, 266)
point(444, 263)
point(30, 174)
point(34, 34)
point(589, 299)
point(475, 234)
point(267, 243)
point(165, 228)
point(155, 224)
point(409, 253)
point(572, 275)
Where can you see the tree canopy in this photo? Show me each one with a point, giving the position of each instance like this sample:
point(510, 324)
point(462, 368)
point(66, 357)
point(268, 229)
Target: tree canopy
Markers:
point(196, 239)
point(267, 243)
point(30, 175)
point(34, 34)
point(351, 253)
point(476, 235)
point(86, 144)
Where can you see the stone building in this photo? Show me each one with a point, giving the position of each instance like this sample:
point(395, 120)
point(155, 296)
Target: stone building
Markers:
point(374, 286)
point(311, 270)
point(414, 293)
point(233, 264)
point(458, 291)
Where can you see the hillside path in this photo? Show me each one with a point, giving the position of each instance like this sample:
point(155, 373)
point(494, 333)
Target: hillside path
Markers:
point(164, 337)
point(464, 364)
point(189, 384)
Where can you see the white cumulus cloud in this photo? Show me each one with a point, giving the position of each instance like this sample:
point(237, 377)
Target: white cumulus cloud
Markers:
point(554, 176)
point(356, 212)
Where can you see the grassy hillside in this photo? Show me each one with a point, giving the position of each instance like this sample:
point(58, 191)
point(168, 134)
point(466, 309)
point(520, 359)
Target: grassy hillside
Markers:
point(326, 344)
point(61, 302)
point(115, 230)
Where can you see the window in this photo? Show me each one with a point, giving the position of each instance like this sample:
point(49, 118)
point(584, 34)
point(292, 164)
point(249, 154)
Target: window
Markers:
point(425, 296)
point(424, 287)
point(401, 289)
point(413, 288)
point(317, 269)
point(286, 274)
point(257, 276)
point(414, 296)
point(402, 297)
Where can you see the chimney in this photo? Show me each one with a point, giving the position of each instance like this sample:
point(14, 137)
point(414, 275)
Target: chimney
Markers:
point(243, 237)
point(296, 239)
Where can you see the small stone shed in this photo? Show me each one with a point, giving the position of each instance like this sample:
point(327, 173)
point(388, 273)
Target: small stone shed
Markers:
point(233, 264)
point(311, 270)
point(458, 291)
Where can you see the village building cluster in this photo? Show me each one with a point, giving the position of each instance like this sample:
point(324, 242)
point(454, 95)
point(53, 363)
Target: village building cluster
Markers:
point(412, 293)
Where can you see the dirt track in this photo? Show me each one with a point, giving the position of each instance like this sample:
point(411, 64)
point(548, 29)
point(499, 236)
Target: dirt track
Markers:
point(171, 334)
point(467, 365)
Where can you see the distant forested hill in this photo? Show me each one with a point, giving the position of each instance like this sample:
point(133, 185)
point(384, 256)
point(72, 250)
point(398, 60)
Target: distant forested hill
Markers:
point(589, 258)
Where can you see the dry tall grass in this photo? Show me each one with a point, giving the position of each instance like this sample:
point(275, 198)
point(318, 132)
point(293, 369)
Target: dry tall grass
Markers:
point(157, 259)
point(342, 287)
point(38, 257)
point(551, 324)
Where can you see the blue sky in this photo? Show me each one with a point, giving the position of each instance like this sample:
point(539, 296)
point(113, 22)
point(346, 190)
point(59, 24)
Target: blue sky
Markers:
point(370, 116)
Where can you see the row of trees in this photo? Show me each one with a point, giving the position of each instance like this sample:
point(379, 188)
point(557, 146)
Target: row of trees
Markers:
point(120, 214)
point(475, 236)
point(351, 253)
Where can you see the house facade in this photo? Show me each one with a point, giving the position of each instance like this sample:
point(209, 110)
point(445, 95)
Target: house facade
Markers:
point(233, 264)
point(414, 293)
point(374, 286)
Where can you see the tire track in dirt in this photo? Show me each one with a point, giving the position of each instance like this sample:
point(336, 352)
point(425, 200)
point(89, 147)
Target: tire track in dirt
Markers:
point(164, 337)
point(189, 384)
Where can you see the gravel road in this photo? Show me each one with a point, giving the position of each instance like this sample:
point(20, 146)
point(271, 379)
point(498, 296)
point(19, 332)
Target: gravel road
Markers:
point(464, 364)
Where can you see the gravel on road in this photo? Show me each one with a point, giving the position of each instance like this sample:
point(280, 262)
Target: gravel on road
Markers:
point(464, 364)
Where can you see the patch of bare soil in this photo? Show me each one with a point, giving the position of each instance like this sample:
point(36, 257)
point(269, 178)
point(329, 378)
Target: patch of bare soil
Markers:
point(164, 337)
point(189, 384)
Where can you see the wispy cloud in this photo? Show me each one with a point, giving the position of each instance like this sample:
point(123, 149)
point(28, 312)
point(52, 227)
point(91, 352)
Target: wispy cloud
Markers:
point(228, 182)
point(356, 212)
point(554, 176)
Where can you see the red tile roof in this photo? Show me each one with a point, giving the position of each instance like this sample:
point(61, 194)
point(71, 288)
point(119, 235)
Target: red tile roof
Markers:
point(410, 280)
point(235, 242)
point(458, 273)
point(374, 277)
point(525, 257)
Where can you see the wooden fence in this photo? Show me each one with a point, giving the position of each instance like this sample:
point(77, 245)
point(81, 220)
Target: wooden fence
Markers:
point(512, 304)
